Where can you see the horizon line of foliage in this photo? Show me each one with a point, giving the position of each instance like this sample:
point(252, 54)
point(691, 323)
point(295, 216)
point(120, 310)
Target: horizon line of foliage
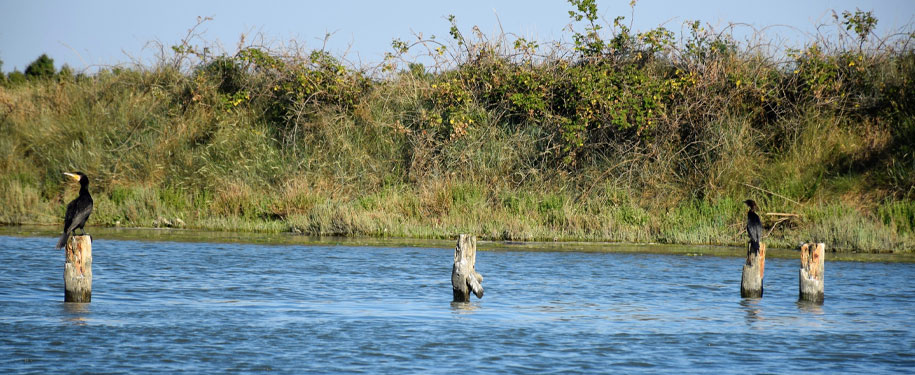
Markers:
point(662, 112)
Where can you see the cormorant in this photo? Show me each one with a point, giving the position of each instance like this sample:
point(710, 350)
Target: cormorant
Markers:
point(78, 210)
point(754, 225)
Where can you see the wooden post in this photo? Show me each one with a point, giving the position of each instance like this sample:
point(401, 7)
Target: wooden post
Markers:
point(464, 277)
point(78, 270)
point(751, 283)
point(811, 276)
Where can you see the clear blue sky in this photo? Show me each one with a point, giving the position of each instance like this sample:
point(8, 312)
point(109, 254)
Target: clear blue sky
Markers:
point(107, 32)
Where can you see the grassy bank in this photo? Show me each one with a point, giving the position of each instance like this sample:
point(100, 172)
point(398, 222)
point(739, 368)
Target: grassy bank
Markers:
point(616, 136)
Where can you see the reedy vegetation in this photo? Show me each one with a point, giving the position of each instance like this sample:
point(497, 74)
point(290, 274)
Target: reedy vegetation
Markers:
point(616, 136)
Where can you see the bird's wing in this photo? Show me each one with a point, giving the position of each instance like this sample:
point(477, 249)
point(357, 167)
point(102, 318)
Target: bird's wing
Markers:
point(72, 208)
point(754, 226)
point(80, 215)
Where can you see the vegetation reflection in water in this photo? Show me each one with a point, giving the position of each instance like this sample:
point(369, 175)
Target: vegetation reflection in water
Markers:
point(190, 235)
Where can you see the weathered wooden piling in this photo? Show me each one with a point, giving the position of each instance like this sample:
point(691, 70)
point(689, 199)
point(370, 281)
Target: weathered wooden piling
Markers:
point(464, 277)
point(78, 270)
point(751, 283)
point(811, 275)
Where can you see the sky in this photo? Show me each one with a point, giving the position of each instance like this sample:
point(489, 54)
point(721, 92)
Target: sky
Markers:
point(89, 34)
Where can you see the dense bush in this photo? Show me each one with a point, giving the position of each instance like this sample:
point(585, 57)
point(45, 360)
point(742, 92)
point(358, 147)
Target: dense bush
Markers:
point(41, 68)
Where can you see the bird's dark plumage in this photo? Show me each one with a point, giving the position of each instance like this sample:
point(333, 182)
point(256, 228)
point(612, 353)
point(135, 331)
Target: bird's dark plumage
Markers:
point(78, 210)
point(754, 225)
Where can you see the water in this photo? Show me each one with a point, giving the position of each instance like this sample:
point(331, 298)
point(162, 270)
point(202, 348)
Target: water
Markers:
point(202, 307)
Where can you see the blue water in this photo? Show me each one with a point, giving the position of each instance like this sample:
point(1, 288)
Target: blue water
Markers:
point(168, 307)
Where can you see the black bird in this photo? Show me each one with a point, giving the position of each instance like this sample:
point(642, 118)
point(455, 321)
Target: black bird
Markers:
point(78, 210)
point(754, 225)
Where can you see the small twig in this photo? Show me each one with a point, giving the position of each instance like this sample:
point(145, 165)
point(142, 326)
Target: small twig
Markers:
point(775, 225)
point(742, 231)
point(782, 214)
point(773, 193)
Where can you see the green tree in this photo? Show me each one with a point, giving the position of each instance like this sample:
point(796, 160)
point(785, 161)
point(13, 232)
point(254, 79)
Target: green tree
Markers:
point(16, 78)
point(66, 74)
point(41, 68)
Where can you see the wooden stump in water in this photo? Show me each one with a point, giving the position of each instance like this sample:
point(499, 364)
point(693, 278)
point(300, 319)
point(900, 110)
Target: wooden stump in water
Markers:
point(464, 278)
point(78, 270)
point(812, 272)
point(751, 283)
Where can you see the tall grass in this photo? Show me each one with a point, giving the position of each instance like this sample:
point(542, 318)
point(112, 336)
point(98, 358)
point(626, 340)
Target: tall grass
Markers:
point(619, 136)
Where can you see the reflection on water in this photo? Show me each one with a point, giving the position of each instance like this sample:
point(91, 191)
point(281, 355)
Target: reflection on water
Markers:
point(208, 308)
point(751, 307)
point(76, 312)
point(464, 307)
point(810, 307)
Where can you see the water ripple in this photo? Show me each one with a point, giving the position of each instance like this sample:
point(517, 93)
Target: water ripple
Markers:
point(215, 308)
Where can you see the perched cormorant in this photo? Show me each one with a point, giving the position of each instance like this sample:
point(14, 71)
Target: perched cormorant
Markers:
point(754, 225)
point(78, 210)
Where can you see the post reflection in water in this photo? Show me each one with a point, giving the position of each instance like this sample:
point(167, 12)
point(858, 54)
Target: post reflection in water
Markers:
point(464, 307)
point(76, 313)
point(810, 307)
point(751, 306)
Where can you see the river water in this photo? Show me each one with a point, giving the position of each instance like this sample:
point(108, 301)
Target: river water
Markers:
point(227, 307)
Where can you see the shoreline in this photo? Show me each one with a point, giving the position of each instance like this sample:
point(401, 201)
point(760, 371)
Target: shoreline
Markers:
point(292, 239)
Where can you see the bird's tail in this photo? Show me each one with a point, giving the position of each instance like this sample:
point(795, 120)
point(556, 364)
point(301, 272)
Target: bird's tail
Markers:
point(754, 247)
point(63, 240)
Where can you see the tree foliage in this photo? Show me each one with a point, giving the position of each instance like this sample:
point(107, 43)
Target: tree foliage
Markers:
point(41, 68)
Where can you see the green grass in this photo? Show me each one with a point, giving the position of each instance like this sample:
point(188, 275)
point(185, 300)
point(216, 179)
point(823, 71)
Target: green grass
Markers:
point(224, 171)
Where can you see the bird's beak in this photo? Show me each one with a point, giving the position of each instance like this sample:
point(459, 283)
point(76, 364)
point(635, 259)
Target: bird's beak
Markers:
point(73, 176)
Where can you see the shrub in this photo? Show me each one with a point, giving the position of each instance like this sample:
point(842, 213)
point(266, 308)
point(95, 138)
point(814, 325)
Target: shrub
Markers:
point(41, 68)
